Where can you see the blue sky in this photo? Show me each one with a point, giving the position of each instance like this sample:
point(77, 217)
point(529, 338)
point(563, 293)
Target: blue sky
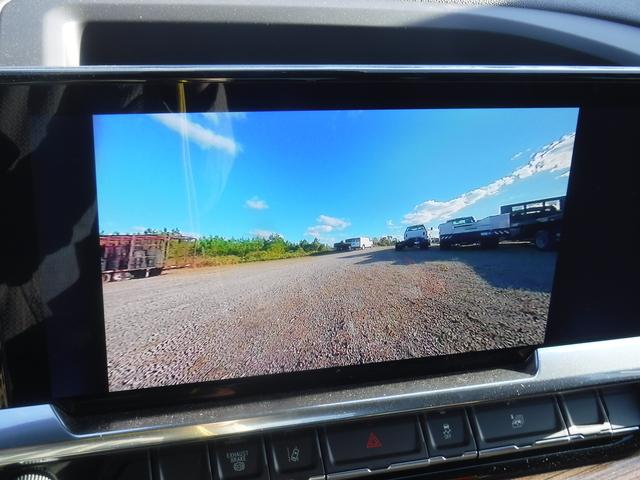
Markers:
point(325, 174)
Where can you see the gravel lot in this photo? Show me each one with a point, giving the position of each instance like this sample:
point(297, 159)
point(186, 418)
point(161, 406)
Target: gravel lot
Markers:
point(324, 311)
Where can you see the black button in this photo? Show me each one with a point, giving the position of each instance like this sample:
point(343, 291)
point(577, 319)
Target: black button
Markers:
point(375, 444)
point(295, 455)
point(582, 409)
point(521, 422)
point(623, 406)
point(188, 462)
point(448, 433)
point(241, 458)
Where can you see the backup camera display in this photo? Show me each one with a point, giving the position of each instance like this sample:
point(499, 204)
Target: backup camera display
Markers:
point(253, 243)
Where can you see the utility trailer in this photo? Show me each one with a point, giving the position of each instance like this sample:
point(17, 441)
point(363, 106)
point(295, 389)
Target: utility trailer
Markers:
point(536, 221)
point(132, 256)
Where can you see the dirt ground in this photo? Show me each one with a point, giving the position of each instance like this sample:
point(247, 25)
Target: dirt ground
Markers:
point(324, 311)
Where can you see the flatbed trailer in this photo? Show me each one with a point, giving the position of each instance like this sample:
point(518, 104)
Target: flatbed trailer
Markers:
point(536, 221)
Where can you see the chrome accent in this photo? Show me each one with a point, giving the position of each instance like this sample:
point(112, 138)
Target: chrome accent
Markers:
point(465, 456)
point(361, 472)
point(547, 442)
point(318, 477)
point(394, 467)
point(590, 431)
point(625, 430)
point(408, 465)
point(227, 72)
point(30, 434)
point(492, 452)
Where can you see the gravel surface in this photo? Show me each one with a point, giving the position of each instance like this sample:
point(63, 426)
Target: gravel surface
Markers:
point(324, 311)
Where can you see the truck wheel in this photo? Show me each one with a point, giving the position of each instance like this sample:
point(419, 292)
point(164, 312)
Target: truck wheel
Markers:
point(424, 245)
point(106, 277)
point(444, 245)
point(399, 247)
point(543, 240)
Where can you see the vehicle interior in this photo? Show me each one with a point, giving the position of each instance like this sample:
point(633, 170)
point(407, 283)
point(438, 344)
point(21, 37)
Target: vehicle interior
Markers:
point(179, 184)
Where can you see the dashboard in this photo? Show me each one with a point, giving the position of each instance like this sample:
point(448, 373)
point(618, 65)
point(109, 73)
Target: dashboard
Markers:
point(292, 241)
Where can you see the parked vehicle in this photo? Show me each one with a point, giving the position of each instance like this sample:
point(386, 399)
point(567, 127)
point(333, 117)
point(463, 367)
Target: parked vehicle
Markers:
point(137, 256)
point(414, 236)
point(467, 230)
point(342, 246)
point(537, 221)
point(359, 243)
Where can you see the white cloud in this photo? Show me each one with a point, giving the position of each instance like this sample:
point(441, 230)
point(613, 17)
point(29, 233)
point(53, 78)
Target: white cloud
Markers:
point(551, 158)
point(392, 226)
point(259, 233)
point(336, 223)
point(326, 224)
point(564, 175)
point(256, 203)
point(202, 136)
point(217, 117)
point(138, 229)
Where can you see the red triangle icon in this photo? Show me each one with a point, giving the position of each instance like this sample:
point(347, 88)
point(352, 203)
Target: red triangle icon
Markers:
point(374, 441)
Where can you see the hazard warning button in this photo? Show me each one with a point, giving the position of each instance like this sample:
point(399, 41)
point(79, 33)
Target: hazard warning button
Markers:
point(375, 444)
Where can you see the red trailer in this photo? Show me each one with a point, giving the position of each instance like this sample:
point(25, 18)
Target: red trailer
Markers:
point(134, 256)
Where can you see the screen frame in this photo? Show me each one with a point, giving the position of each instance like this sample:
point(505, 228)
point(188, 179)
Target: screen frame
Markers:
point(331, 88)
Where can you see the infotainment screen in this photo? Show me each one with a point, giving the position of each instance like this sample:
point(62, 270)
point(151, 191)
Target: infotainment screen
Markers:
point(260, 242)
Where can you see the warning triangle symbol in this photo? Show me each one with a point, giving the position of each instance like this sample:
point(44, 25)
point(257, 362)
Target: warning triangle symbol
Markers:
point(373, 441)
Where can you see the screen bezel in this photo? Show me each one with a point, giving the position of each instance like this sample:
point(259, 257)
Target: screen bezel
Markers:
point(317, 89)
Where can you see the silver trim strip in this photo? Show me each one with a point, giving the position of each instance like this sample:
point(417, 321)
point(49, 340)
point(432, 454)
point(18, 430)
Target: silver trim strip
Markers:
point(625, 430)
point(394, 467)
point(465, 456)
point(492, 452)
point(590, 431)
point(361, 472)
point(408, 465)
point(35, 433)
point(222, 72)
point(318, 477)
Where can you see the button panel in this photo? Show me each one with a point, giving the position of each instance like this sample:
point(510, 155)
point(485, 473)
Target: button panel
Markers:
point(295, 455)
point(184, 462)
point(373, 444)
point(354, 449)
point(448, 434)
point(623, 407)
point(519, 423)
point(241, 459)
point(584, 414)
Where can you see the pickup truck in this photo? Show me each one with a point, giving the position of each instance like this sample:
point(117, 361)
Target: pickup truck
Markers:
point(467, 230)
point(414, 236)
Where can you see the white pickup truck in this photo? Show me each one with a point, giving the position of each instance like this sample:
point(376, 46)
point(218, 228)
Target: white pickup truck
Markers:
point(414, 236)
point(466, 230)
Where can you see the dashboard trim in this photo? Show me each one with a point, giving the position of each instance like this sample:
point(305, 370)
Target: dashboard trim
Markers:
point(223, 73)
point(569, 367)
